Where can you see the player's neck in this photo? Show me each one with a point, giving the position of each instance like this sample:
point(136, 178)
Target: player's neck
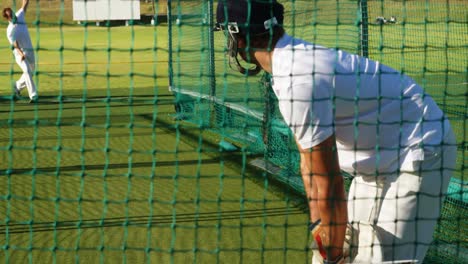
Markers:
point(263, 58)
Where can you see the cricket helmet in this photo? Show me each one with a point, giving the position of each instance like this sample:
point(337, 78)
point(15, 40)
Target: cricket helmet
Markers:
point(247, 18)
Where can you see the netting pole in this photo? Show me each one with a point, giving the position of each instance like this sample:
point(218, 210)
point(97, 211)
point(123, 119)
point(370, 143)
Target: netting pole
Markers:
point(169, 29)
point(154, 21)
point(364, 28)
point(170, 69)
point(211, 48)
point(215, 112)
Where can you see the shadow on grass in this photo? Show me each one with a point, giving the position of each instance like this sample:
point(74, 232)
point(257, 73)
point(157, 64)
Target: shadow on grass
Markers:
point(146, 221)
point(75, 102)
point(48, 107)
point(191, 136)
point(125, 165)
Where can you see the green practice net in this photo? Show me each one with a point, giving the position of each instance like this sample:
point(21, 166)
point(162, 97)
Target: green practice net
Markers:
point(425, 39)
point(146, 147)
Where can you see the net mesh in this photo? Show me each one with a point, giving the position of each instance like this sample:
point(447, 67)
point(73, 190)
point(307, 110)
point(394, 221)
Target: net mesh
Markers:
point(104, 169)
point(425, 39)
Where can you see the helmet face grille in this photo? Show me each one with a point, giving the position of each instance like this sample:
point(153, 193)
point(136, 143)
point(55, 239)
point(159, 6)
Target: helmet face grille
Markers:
point(237, 18)
point(231, 44)
point(233, 51)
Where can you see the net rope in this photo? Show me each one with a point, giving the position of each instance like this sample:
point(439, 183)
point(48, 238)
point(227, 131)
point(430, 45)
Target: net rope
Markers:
point(145, 147)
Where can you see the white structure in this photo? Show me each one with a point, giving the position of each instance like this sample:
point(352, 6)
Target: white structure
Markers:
point(103, 10)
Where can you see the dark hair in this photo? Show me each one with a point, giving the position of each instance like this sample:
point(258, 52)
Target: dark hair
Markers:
point(266, 41)
point(5, 11)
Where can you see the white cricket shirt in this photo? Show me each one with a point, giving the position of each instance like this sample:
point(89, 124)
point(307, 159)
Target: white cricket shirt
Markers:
point(19, 32)
point(382, 120)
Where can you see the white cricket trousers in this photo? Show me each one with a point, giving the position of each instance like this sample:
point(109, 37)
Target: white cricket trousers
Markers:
point(404, 207)
point(26, 81)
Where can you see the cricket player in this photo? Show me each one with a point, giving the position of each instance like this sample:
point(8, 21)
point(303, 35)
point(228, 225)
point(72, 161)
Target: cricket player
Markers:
point(349, 113)
point(18, 36)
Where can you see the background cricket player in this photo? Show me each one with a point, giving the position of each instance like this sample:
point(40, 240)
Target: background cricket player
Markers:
point(18, 36)
point(354, 114)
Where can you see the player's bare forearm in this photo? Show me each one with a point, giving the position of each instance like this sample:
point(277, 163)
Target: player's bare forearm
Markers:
point(320, 167)
point(310, 188)
point(25, 4)
point(333, 212)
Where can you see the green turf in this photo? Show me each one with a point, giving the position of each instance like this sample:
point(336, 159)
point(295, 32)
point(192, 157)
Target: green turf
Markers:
point(99, 171)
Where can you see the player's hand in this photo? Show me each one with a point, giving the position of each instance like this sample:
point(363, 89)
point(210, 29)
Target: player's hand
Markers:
point(320, 241)
point(23, 57)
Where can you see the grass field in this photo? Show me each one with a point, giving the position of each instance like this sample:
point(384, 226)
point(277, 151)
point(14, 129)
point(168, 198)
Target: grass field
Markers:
point(101, 171)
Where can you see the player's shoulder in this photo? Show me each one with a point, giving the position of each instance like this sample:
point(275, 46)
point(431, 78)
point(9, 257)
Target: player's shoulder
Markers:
point(20, 12)
point(291, 44)
point(20, 15)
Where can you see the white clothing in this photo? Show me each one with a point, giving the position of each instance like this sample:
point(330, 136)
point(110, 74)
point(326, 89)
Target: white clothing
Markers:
point(26, 79)
point(404, 206)
point(384, 125)
point(19, 32)
point(381, 118)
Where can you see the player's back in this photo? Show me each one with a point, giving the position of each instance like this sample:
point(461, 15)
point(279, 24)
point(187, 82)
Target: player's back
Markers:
point(21, 32)
point(376, 108)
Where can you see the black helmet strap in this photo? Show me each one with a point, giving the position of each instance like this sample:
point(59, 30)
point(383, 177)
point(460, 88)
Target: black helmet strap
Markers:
point(233, 51)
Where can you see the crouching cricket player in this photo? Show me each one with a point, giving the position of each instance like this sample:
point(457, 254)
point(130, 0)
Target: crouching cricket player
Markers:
point(349, 113)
